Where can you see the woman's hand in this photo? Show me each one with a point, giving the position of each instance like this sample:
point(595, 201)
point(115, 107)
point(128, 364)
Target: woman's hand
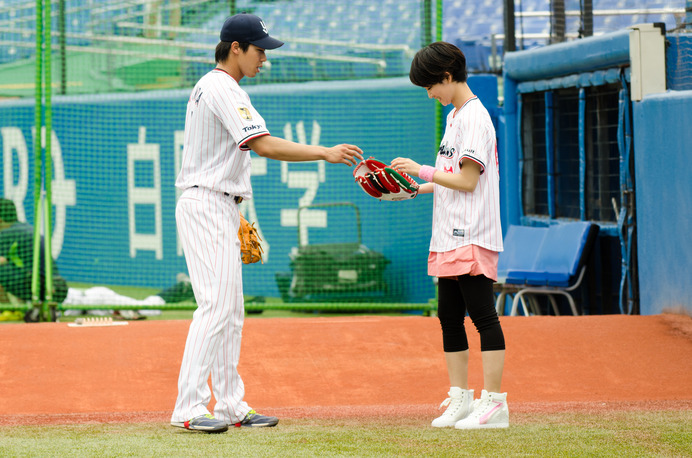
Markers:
point(403, 164)
point(466, 180)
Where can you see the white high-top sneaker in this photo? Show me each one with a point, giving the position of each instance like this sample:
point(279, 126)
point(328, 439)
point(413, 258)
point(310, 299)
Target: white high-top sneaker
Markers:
point(489, 412)
point(459, 405)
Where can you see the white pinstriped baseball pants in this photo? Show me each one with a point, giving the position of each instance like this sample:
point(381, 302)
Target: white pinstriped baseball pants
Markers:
point(208, 224)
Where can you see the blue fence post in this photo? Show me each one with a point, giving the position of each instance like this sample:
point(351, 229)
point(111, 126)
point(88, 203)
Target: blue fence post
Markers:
point(550, 152)
point(582, 153)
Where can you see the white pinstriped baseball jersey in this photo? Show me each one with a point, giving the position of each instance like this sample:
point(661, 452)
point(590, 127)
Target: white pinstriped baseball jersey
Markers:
point(216, 160)
point(220, 120)
point(468, 218)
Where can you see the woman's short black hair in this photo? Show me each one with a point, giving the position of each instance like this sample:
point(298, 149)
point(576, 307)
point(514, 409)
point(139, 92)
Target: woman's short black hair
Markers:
point(432, 64)
point(224, 47)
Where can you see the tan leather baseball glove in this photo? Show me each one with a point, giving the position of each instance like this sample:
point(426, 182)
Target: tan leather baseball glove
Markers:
point(250, 247)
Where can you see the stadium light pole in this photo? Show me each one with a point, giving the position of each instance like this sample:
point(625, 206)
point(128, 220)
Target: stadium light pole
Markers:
point(557, 21)
point(510, 40)
point(586, 19)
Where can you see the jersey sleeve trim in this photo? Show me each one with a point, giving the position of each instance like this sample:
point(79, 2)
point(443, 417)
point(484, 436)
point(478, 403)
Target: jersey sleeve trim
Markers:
point(243, 143)
point(466, 156)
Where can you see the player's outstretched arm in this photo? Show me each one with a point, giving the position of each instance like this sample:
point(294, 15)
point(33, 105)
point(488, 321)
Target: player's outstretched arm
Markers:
point(284, 150)
point(344, 154)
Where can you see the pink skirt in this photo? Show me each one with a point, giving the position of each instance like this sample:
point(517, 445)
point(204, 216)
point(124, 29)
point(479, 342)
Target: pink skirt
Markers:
point(469, 259)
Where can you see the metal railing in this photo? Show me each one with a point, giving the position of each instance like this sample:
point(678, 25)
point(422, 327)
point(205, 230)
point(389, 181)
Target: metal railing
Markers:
point(496, 60)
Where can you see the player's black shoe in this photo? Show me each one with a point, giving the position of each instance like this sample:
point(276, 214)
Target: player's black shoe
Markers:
point(255, 420)
point(204, 423)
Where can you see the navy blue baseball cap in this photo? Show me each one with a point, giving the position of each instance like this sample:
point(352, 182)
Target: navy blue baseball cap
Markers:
point(248, 28)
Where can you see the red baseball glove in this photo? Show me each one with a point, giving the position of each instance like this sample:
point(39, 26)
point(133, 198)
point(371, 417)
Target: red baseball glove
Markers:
point(383, 182)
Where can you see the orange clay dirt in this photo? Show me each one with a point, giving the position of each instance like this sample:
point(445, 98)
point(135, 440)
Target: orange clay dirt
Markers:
point(340, 367)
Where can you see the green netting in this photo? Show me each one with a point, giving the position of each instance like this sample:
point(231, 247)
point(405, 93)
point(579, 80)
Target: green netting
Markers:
point(121, 74)
point(106, 45)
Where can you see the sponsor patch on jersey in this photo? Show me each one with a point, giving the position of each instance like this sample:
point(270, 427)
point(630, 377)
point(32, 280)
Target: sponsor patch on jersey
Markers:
point(446, 151)
point(245, 113)
point(458, 232)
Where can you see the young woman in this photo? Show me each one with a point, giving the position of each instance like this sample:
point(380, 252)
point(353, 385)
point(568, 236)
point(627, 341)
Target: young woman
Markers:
point(466, 236)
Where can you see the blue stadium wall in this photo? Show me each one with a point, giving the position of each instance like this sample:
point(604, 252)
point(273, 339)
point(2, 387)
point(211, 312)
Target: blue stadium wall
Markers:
point(662, 139)
point(386, 118)
point(664, 200)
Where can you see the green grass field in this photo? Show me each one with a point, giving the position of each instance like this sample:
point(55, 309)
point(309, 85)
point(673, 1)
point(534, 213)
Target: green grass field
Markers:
point(625, 434)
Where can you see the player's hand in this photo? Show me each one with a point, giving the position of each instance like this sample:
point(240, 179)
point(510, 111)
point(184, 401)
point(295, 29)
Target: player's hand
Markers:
point(344, 154)
point(403, 164)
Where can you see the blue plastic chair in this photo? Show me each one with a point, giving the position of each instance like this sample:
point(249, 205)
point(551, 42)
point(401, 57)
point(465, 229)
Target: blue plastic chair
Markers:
point(558, 267)
point(521, 246)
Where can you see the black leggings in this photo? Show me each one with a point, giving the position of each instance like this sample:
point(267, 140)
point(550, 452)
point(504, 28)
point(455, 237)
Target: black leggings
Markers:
point(475, 295)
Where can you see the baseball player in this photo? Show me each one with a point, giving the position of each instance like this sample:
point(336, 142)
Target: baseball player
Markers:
point(221, 127)
point(466, 235)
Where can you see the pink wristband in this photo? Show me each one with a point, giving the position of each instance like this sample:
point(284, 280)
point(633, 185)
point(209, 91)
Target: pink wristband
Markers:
point(426, 172)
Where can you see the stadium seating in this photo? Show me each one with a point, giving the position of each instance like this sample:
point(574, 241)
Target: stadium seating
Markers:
point(470, 25)
point(473, 23)
point(543, 261)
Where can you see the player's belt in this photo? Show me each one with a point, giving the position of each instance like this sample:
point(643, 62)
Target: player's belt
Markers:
point(236, 199)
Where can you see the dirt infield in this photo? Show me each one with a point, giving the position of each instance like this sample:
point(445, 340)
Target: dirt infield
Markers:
point(344, 366)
